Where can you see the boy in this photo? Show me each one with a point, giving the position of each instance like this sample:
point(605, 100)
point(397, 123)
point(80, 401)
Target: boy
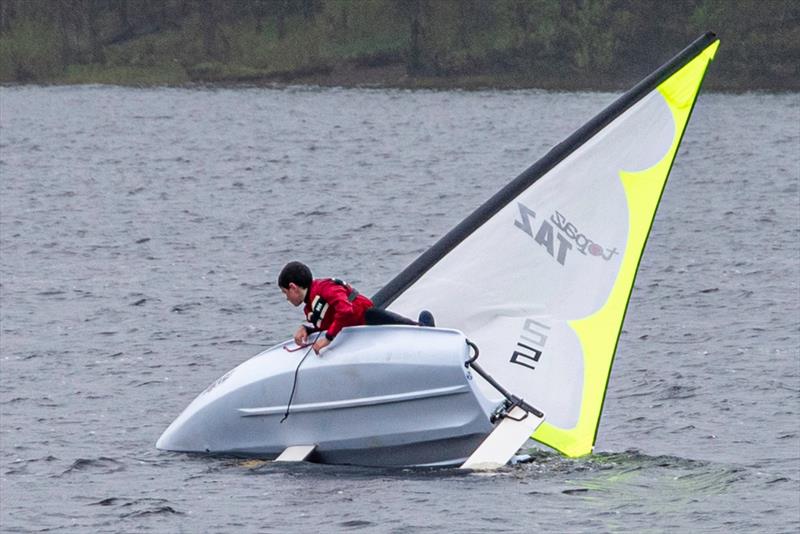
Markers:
point(331, 305)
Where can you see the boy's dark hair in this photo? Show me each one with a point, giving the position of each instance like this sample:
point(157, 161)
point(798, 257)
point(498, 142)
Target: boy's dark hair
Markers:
point(297, 273)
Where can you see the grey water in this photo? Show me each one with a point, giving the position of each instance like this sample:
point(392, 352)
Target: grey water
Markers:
point(141, 232)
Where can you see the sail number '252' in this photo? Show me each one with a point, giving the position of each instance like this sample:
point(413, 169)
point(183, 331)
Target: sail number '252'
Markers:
point(531, 344)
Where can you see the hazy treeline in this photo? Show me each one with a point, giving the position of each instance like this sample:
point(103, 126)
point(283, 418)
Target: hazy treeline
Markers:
point(535, 43)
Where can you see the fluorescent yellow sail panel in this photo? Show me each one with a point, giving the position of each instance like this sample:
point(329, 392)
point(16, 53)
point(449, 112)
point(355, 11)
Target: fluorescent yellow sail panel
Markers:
point(643, 191)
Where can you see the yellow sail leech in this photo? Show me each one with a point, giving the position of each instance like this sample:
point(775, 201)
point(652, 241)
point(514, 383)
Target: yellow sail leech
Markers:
point(643, 190)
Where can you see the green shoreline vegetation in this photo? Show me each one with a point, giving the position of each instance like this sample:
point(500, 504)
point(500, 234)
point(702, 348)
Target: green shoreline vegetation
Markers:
point(548, 44)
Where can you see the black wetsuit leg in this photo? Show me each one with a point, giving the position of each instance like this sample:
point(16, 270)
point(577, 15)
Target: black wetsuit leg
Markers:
point(376, 316)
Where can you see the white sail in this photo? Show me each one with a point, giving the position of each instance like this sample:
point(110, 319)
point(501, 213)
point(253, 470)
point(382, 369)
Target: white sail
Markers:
point(540, 276)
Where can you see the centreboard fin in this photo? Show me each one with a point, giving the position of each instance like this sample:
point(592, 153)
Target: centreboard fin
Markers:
point(296, 453)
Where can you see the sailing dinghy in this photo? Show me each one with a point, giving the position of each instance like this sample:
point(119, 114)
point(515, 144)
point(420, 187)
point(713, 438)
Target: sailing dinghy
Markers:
point(536, 280)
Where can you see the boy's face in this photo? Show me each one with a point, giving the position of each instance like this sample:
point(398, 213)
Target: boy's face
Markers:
point(294, 294)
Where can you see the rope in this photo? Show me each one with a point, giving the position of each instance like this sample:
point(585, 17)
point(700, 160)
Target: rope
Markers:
point(294, 385)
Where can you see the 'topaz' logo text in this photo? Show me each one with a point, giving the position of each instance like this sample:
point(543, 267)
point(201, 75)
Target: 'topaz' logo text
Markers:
point(546, 236)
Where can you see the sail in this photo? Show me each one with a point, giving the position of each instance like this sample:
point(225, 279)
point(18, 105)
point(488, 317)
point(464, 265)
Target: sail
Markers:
point(539, 277)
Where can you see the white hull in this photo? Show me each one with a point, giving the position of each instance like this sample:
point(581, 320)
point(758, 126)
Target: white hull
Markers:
point(378, 396)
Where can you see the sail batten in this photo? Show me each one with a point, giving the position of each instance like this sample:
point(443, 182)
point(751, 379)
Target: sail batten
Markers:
point(540, 276)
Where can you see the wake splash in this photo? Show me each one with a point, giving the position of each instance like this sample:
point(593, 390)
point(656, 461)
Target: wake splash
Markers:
point(627, 473)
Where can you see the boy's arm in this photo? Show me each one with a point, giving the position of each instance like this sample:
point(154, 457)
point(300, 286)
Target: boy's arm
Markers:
point(344, 314)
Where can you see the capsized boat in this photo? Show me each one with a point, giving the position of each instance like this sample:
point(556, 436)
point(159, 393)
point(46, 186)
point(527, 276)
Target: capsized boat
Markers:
point(378, 395)
point(538, 278)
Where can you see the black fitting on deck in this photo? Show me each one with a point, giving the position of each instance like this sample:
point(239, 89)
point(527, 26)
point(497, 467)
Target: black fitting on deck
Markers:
point(512, 400)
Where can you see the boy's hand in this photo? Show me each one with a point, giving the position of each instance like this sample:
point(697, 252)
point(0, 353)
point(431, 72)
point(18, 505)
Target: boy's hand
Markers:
point(301, 336)
point(320, 344)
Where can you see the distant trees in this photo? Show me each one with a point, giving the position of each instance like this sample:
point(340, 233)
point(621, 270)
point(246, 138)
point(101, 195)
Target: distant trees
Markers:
point(594, 43)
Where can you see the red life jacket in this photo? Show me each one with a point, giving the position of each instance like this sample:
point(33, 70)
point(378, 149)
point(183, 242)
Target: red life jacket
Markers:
point(331, 305)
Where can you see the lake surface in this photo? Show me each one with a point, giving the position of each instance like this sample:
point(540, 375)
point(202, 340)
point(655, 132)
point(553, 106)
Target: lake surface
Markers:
point(142, 230)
